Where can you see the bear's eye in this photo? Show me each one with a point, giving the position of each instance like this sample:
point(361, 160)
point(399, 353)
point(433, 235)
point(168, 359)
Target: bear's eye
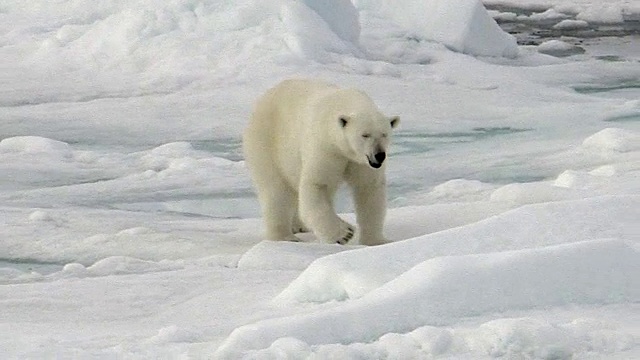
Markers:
point(384, 135)
point(366, 136)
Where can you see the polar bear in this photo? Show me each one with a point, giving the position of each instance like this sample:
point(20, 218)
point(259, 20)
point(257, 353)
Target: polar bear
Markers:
point(304, 139)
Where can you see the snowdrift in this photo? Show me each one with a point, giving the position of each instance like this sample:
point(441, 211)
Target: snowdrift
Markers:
point(156, 46)
point(461, 25)
point(353, 274)
point(120, 49)
point(436, 291)
point(185, 38)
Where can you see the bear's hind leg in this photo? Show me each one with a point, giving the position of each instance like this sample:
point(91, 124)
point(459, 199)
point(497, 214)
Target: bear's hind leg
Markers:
point(277, 201)
point(278, 212)
point(298, 225)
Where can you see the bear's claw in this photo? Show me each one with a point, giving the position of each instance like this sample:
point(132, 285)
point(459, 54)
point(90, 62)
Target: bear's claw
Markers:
point(345, 239)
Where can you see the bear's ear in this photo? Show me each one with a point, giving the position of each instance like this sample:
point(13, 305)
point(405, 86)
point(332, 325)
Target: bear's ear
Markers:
point(344, 119)
point(394, 120)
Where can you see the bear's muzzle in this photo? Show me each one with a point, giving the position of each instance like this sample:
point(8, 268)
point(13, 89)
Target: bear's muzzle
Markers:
point(377, 160)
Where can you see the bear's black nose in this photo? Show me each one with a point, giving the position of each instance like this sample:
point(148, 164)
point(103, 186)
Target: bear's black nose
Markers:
point(380, 157)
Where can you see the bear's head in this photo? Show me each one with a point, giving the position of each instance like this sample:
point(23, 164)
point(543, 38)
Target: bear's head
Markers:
point(367, 136)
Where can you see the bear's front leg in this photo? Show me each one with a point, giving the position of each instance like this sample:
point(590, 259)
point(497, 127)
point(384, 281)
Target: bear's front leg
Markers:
point(317, 212)
point(370, 200)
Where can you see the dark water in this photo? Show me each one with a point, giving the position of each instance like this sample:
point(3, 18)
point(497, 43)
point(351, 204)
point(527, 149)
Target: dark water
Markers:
point(624, 118)
point(601, 88)
point(416, 142)
point(230, 148)
point(29, 266)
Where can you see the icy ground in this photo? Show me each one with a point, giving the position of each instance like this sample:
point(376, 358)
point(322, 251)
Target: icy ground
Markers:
point(129, 229)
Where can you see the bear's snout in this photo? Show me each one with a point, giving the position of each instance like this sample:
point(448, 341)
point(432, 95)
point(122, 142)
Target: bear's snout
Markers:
point(377, 160)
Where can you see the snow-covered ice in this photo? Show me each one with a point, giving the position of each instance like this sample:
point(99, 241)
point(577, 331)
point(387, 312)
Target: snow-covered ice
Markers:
point(463, 26)
point(129, 228)
point(448, 287)
point(559, 48)
point(599, 11)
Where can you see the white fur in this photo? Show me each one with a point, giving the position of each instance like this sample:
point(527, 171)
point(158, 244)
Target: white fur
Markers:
point(304, 139)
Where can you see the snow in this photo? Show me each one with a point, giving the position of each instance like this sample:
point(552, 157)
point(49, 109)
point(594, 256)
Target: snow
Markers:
point(512, 338)
point(35, 145)
point(355, 273)
point(559, 48)
point(550, 14)
point(571, 24)
point(461, 25)
point(129, 227)
point(605, 13)
point(283, 255)
point(437, 290)
point(597, 11)
point(613, 139)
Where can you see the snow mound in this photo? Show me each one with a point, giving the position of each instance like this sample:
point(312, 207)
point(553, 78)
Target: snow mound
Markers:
point(613, 139)
point(559, 48)
point(341, 17)
point(532, 338)
point(528, 193)
point(573, 179)
point(310, 27)
point(452, 287)
point(286, 255)
point(41, 216)
point(583, 180)
point(174, 149)
point(611, 13)
point(511, 338)
point(569, 24)
point(461, 25)
point(46, 217)
point(186, 37)
point(462, 189)
point(174, 334)
point(35, 145)
point(117, 265)
point(547, 15)
point(353, 274)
